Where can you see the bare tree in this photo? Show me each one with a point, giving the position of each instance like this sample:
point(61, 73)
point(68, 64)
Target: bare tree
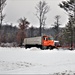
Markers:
point(42, 9)
point(23, 24)
point(2, 5)
point(31, 31)
point(56, 26)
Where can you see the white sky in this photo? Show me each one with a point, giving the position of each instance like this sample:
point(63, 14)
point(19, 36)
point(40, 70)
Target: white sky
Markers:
point(16, 9)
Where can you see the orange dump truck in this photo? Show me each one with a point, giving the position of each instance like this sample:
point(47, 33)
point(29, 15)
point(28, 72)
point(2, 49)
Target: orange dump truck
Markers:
point(43, 42)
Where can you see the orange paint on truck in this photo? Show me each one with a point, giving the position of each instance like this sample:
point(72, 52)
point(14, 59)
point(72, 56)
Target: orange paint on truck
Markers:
point(47, 41)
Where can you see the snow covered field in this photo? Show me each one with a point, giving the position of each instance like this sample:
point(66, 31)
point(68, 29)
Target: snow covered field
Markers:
point(36, 61)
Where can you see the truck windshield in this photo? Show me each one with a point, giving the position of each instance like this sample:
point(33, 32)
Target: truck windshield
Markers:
point(50, 38)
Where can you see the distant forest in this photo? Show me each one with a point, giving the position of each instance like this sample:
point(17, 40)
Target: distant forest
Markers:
point(9, 32)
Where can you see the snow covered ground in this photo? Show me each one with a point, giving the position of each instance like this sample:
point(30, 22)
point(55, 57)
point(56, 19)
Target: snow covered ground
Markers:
point(36, 61)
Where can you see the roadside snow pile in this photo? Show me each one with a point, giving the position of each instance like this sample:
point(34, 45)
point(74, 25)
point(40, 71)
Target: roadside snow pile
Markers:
point(36, 61)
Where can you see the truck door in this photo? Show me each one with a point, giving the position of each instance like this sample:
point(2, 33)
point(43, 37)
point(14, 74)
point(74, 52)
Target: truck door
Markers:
point(45, 41)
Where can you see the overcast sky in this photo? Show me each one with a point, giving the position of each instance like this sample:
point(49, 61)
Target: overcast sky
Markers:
point(16, 9)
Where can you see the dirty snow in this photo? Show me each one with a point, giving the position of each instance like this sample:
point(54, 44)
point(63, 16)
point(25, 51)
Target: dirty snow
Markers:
point(36, 61)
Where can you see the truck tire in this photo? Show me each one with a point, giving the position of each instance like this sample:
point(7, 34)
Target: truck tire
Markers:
point(25, 47)
point(44, 47)
point(50, 47)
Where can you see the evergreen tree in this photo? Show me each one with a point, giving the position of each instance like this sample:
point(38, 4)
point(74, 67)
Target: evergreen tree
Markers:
point(69, 7)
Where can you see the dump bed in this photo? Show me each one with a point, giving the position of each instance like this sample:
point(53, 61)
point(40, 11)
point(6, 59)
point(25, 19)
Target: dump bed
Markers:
point(33, 41)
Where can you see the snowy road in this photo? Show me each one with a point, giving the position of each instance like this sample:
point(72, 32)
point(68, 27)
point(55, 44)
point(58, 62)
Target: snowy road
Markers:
point(36, 61)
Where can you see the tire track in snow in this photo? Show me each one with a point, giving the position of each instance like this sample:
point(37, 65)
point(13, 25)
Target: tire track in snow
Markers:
point(6, 66)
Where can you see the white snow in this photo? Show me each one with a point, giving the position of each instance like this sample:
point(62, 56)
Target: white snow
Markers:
point(36, 61)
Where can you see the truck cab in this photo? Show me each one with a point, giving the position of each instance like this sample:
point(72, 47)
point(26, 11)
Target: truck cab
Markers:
point(48, 42)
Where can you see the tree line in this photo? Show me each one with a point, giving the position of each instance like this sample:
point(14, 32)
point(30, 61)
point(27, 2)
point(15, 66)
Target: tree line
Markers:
point(10, 33)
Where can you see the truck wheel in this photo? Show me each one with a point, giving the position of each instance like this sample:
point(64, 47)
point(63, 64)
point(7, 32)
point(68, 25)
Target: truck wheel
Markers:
point(26, 46)
point(44, 47)
point(50, 47)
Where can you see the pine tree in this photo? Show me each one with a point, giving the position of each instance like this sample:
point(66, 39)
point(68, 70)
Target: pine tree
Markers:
point(69, 7)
